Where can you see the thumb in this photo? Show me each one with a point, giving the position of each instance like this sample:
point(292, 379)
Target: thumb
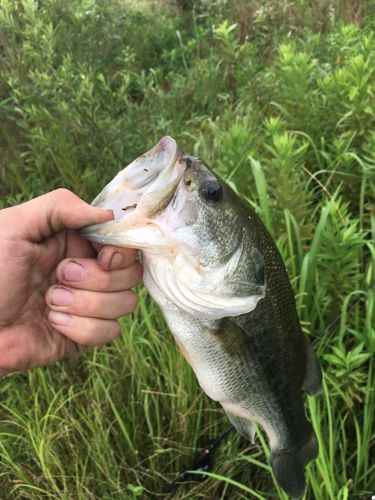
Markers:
point(55, 211)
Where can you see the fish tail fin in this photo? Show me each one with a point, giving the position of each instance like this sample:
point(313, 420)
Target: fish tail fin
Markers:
point(288, 465)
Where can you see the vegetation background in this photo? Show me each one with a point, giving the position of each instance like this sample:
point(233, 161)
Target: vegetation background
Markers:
point(278, 97)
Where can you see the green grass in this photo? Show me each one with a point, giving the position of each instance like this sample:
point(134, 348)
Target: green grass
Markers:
point(278, 98)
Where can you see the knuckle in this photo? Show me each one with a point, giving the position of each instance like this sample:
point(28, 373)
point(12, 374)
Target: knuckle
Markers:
point(63, 193)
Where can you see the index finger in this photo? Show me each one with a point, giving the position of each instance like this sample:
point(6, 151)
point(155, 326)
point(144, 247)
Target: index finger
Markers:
point(111, 257)
point(55, 211)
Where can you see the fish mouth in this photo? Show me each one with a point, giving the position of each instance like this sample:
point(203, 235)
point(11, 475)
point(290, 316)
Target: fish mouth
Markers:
point(137, 195)
point(146, 186)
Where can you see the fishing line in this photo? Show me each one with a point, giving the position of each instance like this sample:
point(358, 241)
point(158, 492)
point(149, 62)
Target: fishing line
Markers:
point(203, 460)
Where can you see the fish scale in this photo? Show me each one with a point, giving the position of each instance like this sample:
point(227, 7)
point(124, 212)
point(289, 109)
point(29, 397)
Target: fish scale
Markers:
point(220, 281)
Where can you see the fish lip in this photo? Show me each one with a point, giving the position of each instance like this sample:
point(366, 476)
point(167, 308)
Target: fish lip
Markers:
point(141, 188)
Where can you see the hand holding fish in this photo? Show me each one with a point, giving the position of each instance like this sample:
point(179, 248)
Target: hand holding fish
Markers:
point(57, 294)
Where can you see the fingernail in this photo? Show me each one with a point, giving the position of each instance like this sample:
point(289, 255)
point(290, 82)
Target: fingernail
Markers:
point(59, 318)
point(73, 271)
point(106, 211)
point(62, 296)
point(116, 261)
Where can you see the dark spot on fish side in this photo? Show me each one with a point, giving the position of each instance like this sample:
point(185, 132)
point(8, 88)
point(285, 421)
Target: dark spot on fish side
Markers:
point(128, 207)
point(145, 169)
point(188, 183)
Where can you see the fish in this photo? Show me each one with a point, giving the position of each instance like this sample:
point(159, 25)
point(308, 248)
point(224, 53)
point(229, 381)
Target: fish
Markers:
point(222, 286)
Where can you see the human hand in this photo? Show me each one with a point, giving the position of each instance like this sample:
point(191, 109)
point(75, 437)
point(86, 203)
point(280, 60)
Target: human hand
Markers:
point(57, 295)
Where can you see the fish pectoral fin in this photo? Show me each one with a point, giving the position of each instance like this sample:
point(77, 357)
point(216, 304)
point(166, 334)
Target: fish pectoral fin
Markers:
point(246, 288)
point(313, 375)
point(243, 279)
point(244, 426)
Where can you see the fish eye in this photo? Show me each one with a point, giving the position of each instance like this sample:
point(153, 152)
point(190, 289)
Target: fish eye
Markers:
point(211, 191)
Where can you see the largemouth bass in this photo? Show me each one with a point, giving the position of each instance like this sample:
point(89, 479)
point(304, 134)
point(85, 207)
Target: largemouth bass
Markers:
point(217, 275)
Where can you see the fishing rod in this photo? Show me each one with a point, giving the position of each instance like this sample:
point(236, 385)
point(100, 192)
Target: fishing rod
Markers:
point(203, 461)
